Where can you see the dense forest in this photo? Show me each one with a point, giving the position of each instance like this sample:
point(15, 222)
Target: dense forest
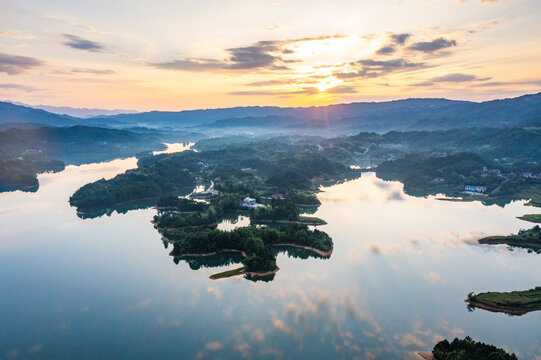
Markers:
point(255, 170)
point(468, 349)
point(521, 143)
point(256, 242)
point(18, 174)
point(451, 173)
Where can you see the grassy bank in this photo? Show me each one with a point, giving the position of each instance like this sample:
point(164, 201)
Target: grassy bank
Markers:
point(514, 302)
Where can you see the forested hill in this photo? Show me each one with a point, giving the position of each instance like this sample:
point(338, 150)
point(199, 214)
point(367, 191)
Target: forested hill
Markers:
point(429, 114)
point(74, 144)
point(407, 114)
point(12, 114)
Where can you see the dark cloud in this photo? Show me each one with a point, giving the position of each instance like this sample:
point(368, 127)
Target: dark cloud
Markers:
point(15, 64)
point(395, 40)
point(260, 55)
point(432, 46)
point(18, 87)
point(93, 71)
point(79, 43)
point(370, 68)
point(256, 56)
point(386, 50)
point(399, 39)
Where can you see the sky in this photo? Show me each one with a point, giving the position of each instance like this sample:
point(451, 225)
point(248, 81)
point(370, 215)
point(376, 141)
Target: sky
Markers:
point(176, 55)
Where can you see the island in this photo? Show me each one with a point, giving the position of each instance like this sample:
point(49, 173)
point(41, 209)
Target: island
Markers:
point(466, 349)
point(512, 303)
point(528, 239)
point(259, 180)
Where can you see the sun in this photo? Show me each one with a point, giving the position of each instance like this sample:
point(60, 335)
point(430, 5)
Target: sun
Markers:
point(327, 83)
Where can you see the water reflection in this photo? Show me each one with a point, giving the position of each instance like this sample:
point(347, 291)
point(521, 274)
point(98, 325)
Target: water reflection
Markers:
point(175, 147)
point(396, 283)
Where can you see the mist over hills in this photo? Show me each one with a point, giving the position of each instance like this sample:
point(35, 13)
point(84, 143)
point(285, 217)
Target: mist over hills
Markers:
point(83, 113)
point(407, 114)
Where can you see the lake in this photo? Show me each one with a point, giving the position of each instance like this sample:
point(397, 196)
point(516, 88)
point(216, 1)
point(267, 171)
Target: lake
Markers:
point(395, 283)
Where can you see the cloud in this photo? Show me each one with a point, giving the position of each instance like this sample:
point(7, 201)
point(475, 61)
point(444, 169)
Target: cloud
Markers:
point(341, 89)
point(214, 346)
point(395, 40)
point(15, 64)
point(503, 83)
point(435, 278)
point(458, 78)
point(79, 43)
point(452, 78)
point(306, 91)
point(370, 68)
point(18, 87)
point(267, 54)
point(432, 46)
point(272, 82)
point(410, 340)
point(93, 71)
point(400, 39)
point(386, 50)
point(16, 35)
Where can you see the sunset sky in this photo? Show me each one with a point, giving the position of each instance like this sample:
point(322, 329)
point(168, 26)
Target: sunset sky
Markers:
point(174, 55)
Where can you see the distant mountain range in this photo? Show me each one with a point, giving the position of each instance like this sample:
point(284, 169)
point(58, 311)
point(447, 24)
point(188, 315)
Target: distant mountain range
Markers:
point(84, 113)
point(408, 114)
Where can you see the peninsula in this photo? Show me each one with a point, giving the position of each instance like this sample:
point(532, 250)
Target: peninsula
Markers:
point(529, 239)
point(512, 303)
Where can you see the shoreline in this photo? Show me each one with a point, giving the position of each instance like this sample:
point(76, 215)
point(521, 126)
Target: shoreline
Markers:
point(300, 222)
point(322, 253)
point(236, 272)
point(207, 254)
point(181, 228)
point(503, 240)
point(241, 271)
point(115, 205)
point(325, 254)
point(425, 355)
point(497, 309)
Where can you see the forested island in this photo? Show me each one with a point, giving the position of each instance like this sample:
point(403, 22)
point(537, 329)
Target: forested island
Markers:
point(466, 349)
point(528, 239)
point(260, 179)
point(271, 179)
point(512, 303)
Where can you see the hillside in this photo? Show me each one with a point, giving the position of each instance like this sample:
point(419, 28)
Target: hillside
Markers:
point(407, 114)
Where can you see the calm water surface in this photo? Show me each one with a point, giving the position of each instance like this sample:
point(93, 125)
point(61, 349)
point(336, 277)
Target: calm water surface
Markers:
point(106, 288)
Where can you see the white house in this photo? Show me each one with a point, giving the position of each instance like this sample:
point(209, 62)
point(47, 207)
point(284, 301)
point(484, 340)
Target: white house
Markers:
point(250, 203)
point(475, 190)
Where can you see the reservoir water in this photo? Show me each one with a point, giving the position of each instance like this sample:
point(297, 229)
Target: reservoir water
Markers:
point(106, 288)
